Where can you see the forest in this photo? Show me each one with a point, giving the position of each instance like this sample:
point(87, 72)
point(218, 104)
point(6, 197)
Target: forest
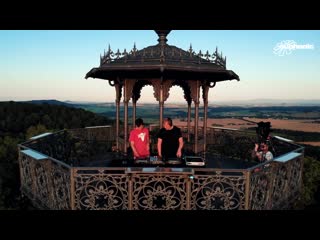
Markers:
point(20, 121)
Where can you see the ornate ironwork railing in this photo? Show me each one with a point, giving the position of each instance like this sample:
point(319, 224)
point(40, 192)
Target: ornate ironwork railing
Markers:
point(100, 189)
point(76, 147)
point(276, 185)
point(238, 144)
point(47, 182)
point(219, 189)
point(77, 182)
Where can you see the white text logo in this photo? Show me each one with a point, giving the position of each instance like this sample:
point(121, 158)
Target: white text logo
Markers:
point(287, 46)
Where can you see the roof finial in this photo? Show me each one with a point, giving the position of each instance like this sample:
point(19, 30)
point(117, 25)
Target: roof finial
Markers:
point(162, 36)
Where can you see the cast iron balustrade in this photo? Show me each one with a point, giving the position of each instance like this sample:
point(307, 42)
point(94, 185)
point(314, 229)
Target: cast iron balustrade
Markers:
point(82, 169)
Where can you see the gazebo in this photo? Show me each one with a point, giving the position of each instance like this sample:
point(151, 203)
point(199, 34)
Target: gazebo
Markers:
point(162, 66)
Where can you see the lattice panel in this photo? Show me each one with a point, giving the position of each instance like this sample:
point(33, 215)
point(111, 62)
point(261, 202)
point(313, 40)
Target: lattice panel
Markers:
point(98, 190)
point(261, 184)
point(159, 192)
point(280, 185)
point(295, 177)
point(42, 184)
point(276, 186)
point(26, 174)
point(218, 192)
point(287, 184)
point(60, 187)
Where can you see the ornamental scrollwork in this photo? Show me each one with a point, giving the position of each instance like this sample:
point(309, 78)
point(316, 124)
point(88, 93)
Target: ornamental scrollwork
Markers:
point(159, 192)
point(101, 191)
point(218, 192)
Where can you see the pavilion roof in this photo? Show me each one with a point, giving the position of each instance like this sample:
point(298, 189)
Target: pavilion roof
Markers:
point(163, 60)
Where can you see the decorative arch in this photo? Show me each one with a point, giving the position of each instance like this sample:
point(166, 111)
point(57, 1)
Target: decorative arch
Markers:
point(205, 90)
point(136, 92)
point(165, 85)
point(186, 90)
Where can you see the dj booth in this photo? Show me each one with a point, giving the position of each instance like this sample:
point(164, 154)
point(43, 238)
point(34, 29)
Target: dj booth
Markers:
point(152, 161)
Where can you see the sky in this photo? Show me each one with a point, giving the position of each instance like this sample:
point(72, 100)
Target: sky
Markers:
point(52, 64)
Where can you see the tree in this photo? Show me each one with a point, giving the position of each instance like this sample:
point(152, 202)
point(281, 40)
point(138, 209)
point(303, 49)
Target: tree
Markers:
point(9, 171)
point(35, 130)
point(31, 120)
point(20, 121)
point(46, 120)
point(311, 180)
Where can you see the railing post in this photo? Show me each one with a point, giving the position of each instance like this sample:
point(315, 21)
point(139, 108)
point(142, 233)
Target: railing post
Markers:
point(247, 192)
point(188, 121)
point(134, 112)
point(188, 192)
point(72, 189)
point(130, 190)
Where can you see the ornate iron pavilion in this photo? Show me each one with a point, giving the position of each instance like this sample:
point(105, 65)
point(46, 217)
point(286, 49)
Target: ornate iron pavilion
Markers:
point(162, 66)
point(78, 169)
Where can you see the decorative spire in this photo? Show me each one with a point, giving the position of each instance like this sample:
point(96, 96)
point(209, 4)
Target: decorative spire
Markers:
point(162, 36)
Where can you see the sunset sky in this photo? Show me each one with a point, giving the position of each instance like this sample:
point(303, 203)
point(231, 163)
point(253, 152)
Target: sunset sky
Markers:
point(52, 64)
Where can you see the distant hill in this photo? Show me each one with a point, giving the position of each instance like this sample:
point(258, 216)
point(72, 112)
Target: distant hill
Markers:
point(150, 111)
point(51, 102)
point(238, 103)
point(262, 108)
point(17, 117)
point(268, 102)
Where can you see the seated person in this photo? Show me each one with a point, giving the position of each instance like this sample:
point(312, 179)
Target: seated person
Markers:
point(262, 152)
point(139, 140)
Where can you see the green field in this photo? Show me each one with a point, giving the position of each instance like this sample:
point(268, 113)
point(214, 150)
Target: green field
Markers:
point(150, 112)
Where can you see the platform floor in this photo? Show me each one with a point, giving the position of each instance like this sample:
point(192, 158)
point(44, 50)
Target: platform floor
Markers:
point(118, 160)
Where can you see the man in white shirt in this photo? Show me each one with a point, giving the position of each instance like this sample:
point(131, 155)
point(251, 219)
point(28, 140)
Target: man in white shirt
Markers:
point(262, 153)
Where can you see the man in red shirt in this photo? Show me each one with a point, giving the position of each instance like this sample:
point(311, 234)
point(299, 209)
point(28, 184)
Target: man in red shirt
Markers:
point(139, 140)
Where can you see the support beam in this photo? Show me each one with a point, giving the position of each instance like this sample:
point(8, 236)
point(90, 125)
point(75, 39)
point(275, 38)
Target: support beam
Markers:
point(117, 122)
point(134, 112)
point(161, 93)
point(125, 126)
point(189, 118)
point(205, 117)
point(118, 88)
point(161, 104)
point(195, 95)
point(196, 116)
point(128, 89)
point(205, 89)
point(125, 102)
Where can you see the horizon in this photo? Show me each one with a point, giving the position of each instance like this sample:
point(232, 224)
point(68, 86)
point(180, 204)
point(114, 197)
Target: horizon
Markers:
point(240, 103)
point(52, 64)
